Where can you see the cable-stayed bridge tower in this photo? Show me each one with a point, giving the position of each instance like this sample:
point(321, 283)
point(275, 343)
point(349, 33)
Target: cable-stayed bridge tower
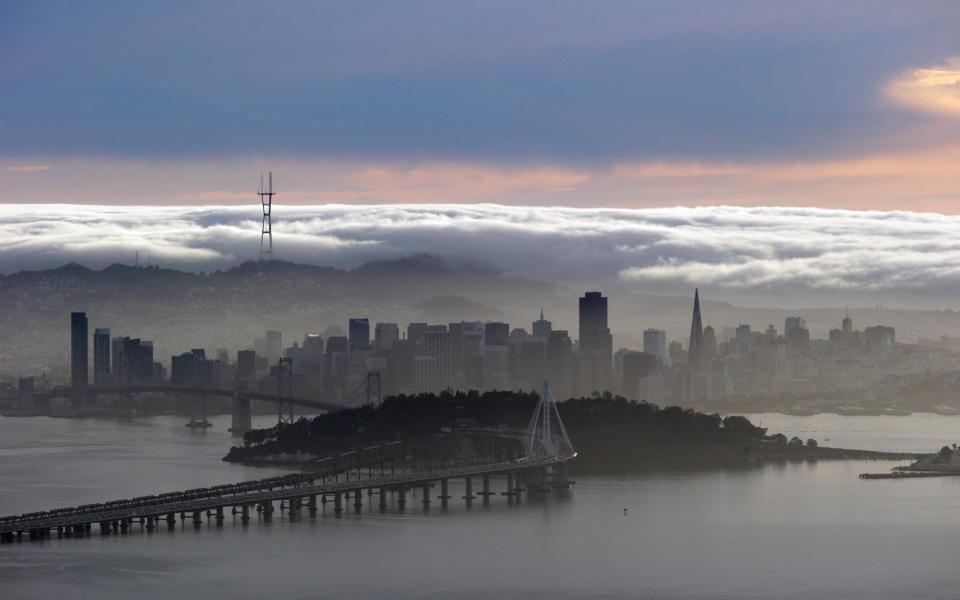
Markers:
point(266, 233)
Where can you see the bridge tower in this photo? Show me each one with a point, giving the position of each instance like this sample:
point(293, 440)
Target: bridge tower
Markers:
point(284, 388)
point(266, 232)
point(546, 435)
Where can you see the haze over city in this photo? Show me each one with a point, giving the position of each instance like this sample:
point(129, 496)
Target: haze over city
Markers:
point(479, 299)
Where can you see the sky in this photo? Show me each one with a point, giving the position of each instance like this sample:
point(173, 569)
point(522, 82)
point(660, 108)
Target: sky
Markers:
point(630, 104)
point(830, 123)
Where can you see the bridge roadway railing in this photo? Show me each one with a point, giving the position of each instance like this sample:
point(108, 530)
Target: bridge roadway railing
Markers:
point(346, 462)
point(252, 498)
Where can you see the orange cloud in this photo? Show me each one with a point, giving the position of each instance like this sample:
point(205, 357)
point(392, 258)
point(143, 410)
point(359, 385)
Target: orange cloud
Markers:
point(27, 168)
point(459, 181)
point(933, 90)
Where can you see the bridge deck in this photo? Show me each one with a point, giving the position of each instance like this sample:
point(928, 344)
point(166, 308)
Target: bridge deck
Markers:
point(226, 496)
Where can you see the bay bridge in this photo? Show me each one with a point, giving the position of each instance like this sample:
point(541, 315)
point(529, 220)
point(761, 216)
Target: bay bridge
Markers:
point(530, 459)
point(368, 391)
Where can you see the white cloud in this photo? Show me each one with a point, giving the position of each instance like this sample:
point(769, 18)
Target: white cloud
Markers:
point(801, 250)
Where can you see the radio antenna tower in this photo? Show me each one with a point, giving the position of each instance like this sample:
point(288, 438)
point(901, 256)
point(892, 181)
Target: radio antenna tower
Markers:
point(266, 235)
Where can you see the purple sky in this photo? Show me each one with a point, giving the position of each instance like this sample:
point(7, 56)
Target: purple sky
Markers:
point(622, 104)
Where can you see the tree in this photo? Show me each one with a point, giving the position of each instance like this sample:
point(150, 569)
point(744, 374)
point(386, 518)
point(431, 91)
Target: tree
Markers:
point(811, 443)
point(946, 453)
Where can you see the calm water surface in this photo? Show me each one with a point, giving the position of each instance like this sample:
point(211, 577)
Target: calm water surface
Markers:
point(801, 530)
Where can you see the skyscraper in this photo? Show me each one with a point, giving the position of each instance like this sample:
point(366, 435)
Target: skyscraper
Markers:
point(437, 344)
point(359, 332)
point(101, 357)
point(593, 364)
point(386, 335)
point(542, 327)
point(696, 351)
point(78, 349)
point(791, 323)
point(273, 346)
point(496, 334)
point(655, 343)
point(594, 333)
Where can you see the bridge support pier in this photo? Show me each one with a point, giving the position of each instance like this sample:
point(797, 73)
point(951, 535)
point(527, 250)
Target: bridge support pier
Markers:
point(312, 505)
point(171, 521)
point(245, 513)
point(486, 493)
point(468, 485)
point(337, 502)
point(196, 519)
point(426, 496)
point(240, 422)
point(444, 492)
point(358, 500)
point(402, 497)
point(219, 516)
point(151, 524)
point(383, 499)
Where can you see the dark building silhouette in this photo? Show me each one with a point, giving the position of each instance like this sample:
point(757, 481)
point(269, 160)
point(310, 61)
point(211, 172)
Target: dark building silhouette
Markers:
point(415, 332)
point(593, 365)
point(696, 350)
point(191, 369)
point(359, 332)
point(132, 361)
point(594, 332)
point(437, 344)
point(496, 334)
point(542, 327)
point(79, 359)
point(246, 364)
point(101, 357)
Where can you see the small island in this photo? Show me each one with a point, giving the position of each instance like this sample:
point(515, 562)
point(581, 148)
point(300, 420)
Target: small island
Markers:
point(611, 433)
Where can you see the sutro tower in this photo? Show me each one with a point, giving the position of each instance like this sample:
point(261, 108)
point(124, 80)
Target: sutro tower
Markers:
point(266, 235)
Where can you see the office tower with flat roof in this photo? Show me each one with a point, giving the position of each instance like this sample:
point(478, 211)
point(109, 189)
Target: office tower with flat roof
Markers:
point(101, 357)
point(359, 332)
point(496, 333)
point(385, 335)
point(79, 360)
point(655, 343)
point(437, 345)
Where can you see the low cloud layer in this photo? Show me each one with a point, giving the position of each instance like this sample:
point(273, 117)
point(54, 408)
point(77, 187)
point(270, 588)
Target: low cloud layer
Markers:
point(793, 255)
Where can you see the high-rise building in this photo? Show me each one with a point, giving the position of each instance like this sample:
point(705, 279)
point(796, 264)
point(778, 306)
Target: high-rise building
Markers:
point(542, 327)
point(655, 343)
point(696, 351)
point(385, 335)
point(847, 325)
point(791, 323)
point(415, 332)
point(594, 332)
point(101, 357)
point(273, 347)
point(496, 334)
point(425, 374)
point(559, 367)
point(246, 365)
point(359, 332)
point(437, 345)
point(79, 360)
point(710, 345)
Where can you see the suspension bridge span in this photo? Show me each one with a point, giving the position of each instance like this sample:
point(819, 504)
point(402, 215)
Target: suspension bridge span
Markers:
point(531, 459)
